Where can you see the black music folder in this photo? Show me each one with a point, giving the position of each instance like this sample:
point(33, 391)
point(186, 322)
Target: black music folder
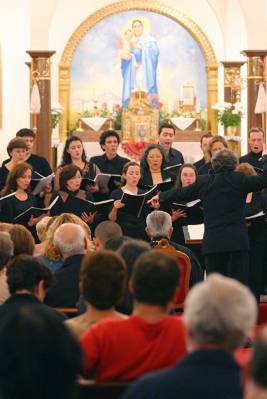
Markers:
point(34, 211)
point(134, 204)
point(105, 182)
point(78, 206)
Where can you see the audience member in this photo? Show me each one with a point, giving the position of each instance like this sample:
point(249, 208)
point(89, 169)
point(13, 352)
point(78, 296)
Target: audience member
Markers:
point(41, 230)
point(130, 252)
point(104, 232)
point(256, 387)
point(22, 239)
point(148, 340)
point(114, 244)
point(49, 254)
point(220, 313)
point(28, 280)
point(6, 253)
point(70, 241)
point(159, 226)
point(39, 357)
point(204, 145)
point(166, 139)
point(102, 284)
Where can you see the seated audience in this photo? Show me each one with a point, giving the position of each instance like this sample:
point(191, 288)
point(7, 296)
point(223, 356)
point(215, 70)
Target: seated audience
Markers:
point(104, 232)
point(27, 280)
point(70, 241)
point(148, 340)
point(115, 243)
point(158, 226)
point(130, 252)
point(41, 230)
point(39, 357)
point(22, 239)
point(6, 253)
point(256, 387)
point(102, 284)
point(220, 313)
point(49, 255)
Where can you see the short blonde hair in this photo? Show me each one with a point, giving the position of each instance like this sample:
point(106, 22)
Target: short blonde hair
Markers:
point(41, 227)
point(48, 248)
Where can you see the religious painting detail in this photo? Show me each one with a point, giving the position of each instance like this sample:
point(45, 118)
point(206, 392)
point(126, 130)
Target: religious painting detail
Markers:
point(138, 55)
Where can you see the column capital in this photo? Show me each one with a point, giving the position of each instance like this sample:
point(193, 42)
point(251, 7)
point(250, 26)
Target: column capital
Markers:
point(230, 64)
point(254, 53)
point(40, 53)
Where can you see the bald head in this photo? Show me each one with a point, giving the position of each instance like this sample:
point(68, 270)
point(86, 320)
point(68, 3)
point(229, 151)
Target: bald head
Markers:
point(70, 240)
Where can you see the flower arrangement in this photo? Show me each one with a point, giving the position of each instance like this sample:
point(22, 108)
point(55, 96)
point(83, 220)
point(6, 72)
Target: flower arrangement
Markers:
point(56, 112)
point(229, 114)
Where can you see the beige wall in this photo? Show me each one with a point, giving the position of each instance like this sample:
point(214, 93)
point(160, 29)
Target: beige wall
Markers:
point(36, 24)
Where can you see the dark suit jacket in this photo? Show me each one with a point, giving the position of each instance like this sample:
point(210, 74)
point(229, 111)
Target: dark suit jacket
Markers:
point(206, 374)
point(223, 197)
point(65, 292)
point(16, 301)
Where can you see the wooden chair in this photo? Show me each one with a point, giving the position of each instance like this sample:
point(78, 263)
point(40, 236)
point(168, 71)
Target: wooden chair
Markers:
point(185, 267)
point(69, 312)
point(87, 389)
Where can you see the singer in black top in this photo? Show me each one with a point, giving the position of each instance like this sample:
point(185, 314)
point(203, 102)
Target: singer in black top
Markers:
point(217, 143)
point(131, 226)
point(166, 139)
point(70, 179)
point(223, 195)
point(152, 166)
point(74, 154)
point(17, 150)
point(255, 203)
point(18, 181)
point(187, 175)
point(255, 141)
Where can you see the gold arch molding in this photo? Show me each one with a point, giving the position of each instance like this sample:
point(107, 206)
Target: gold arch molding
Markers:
point(147, 5)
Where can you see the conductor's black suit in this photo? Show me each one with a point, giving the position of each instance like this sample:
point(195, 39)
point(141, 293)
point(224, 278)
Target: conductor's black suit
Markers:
point(223, 195)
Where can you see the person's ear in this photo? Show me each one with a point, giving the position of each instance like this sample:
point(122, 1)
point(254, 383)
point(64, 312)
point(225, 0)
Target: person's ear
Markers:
point(57, 250)
point(147, 232)
point(39, 290)
point(85, 244)
point(130, 286)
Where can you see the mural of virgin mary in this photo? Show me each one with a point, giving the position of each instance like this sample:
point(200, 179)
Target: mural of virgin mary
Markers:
point(139, 60)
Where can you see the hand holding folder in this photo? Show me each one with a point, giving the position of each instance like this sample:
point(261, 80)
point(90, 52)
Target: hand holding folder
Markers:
point(134, 204)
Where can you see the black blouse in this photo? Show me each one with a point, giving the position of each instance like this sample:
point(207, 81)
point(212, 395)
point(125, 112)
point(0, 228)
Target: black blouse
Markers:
point(131, 226)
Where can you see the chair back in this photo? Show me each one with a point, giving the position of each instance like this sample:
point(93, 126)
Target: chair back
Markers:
point(87, 389)
point(184, 265)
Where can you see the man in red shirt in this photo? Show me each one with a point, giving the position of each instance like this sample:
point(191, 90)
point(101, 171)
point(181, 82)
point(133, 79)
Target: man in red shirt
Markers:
point(148, 340)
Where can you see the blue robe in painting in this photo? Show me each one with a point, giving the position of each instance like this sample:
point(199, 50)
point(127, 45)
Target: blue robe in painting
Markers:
point(148, 58)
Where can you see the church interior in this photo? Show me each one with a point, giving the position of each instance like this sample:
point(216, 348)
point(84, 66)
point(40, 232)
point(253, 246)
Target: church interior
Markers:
point(133, 202)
